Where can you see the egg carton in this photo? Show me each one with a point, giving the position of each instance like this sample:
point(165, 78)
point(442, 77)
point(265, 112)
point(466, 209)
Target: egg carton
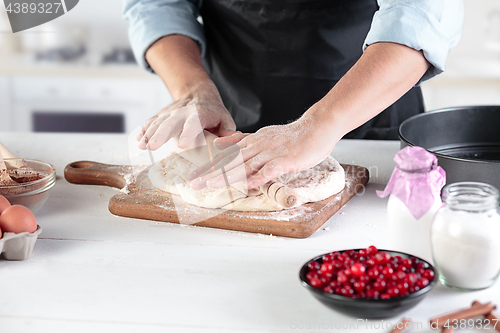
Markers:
point(18, 246)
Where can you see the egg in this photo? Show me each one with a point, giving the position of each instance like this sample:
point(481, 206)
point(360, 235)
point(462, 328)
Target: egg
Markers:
point(4, 203)
point(17, 219)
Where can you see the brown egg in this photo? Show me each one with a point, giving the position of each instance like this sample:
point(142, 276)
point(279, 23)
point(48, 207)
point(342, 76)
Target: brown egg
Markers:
point(4, 203)
point(17, 219)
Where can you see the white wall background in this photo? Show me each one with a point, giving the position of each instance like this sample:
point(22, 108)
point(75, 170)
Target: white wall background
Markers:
point(481, 32)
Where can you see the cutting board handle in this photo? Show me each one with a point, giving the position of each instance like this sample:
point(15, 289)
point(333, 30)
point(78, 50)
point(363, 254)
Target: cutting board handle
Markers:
point(94, 173)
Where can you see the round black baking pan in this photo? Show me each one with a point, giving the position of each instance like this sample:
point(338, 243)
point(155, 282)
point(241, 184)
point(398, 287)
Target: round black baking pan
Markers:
point(466, 141)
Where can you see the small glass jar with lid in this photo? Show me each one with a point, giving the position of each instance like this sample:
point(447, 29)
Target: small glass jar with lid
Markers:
point(465, 236)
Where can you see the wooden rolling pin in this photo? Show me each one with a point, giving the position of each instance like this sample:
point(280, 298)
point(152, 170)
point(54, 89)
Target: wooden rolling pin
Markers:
point(281, 194)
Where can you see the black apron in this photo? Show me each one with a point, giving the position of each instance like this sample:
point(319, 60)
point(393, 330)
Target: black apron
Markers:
point(273, 59)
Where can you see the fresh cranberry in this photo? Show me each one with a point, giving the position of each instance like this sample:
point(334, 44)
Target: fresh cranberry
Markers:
point(373, 273)
point(403, 288)
point(407, 263)
point(385, 296)
point(311, 275)
point(327, 268)
point(402, 268)
point(420, 271)
point(393, 291)
point(422, 283)
point(358, 270)
point(364, 279)
point(328, 290)
point(352, 280)
point(314, 266)
point(394, 265)
point(428, 274)
point(335, 284)
point(413, 289)
point(402, 285)
point(421, 264)
point(359, 286)
point(327, 258)
point(342, 278)
point(391, 283)
point(342, 257)
point(337, 264)
point(398, 259)
point(370, 262)
point(400, 275)
point(379, 285)
point(411, 279)
point(347, 272)
point(347, 291)
point(372, 293)
point(315, 282)
point(382, 258)
point(349, 253)
point(338, 290)
point(362, 252)
point(387, 272)
point(371, 250)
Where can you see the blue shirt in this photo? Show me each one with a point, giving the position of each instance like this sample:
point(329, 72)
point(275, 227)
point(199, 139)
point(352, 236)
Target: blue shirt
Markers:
point(433, 26)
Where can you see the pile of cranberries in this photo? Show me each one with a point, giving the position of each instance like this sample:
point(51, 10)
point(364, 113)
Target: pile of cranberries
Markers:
point(368, 273)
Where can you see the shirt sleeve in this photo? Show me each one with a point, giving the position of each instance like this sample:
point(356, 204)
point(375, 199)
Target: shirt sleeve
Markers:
point(150, 20)
point(433, 26)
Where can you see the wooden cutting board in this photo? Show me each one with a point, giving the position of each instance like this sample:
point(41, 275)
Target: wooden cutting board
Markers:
point(139, 199)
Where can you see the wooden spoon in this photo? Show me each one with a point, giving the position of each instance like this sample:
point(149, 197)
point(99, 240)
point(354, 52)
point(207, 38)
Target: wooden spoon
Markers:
point(4, 174)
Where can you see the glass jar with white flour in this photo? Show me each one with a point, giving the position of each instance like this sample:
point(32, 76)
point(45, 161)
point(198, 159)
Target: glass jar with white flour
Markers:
point(464, 236)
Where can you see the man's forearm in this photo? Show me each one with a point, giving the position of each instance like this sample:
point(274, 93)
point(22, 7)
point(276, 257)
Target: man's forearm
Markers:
point(384, 73)
point(177, 60)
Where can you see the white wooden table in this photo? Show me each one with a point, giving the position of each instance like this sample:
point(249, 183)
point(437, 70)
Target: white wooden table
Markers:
point(92, 271)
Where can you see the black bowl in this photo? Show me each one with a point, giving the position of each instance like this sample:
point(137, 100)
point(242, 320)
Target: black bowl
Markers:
point(369, 308)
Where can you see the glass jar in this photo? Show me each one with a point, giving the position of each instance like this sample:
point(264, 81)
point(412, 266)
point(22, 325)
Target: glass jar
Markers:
point(414, 197)
point(465, 236)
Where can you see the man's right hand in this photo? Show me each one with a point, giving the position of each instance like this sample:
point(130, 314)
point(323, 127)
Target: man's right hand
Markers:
point(188, 116)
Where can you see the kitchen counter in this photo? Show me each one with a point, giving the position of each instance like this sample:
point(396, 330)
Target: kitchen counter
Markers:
point(25, 65)
point(92, 271)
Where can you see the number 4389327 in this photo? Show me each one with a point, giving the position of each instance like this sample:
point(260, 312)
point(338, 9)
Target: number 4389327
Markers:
point(25, 7)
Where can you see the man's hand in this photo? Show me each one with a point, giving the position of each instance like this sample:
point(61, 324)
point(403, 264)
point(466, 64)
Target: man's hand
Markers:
point(269, 153)
point(186, 118)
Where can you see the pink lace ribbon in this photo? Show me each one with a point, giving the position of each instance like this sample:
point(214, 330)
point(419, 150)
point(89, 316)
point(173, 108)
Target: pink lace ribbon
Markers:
point(416, 180)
